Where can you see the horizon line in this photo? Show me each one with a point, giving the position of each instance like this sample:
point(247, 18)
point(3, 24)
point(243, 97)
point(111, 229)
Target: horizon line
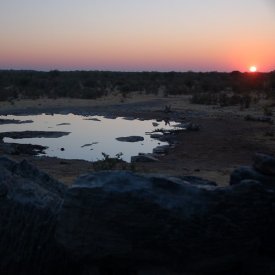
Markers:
point(132, 71)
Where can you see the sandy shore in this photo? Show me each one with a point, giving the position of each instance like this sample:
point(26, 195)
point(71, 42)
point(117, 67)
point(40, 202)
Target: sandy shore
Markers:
point(226, 140)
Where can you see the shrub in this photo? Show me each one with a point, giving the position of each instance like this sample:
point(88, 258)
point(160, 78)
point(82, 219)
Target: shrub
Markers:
point(107, 163)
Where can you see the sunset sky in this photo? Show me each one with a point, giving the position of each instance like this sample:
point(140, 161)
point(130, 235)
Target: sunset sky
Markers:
point(137, 35)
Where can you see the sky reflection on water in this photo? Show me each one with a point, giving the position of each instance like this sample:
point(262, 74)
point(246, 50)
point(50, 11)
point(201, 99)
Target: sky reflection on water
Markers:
point(101, 135)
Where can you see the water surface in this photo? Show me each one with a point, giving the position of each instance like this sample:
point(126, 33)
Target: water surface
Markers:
point(89, 135)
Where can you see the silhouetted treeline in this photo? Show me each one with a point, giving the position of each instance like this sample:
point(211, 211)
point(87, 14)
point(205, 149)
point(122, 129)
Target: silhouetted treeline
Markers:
point(94, 84)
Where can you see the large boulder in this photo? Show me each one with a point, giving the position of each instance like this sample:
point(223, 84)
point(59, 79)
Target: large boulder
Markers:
point(123, 223)
point(30, 201)
point(129, 220)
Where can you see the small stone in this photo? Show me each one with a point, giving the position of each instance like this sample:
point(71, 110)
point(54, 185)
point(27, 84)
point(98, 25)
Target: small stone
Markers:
point(155, 124)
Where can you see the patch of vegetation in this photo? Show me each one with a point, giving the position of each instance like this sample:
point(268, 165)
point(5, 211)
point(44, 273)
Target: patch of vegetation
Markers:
point(108, 163)
point(116, 163)
point(207, 87)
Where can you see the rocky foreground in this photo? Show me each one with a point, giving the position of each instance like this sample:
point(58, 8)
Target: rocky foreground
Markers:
point(124, 223)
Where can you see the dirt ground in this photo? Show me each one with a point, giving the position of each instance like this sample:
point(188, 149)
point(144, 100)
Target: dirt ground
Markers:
point(225, 139)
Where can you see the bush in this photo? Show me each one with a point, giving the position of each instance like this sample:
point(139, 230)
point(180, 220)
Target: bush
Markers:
point(205, 87)
point(107, 163)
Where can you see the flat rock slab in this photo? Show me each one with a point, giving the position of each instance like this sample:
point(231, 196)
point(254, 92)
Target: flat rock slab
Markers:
point(130, 139)
point(33, 134)
point(165, 220)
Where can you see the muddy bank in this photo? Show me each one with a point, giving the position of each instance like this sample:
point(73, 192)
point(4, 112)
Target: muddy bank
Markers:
point(15, 149)
point(224, 141)
point(33, 134)
point(26, 150)
point(14, 121)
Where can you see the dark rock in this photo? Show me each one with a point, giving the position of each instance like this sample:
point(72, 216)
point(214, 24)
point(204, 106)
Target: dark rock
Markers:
point(129, 201)
point(30, 202)
point(130, 139)
point(248, 173)
point(155, 124)
point(7, 148)
point(27, 170)
point(166, 221)
point(161, 150)
point(123, 223)
point(156, 136)
point(62, 149)
point(166, 137)
point(3, 190)
point(144, 158)
point(264, 164)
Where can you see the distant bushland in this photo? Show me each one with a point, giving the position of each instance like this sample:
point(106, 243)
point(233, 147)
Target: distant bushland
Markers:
point(204, 87)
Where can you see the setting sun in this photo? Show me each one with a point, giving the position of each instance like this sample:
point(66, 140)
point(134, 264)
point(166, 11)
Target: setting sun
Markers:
point(253, 69)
